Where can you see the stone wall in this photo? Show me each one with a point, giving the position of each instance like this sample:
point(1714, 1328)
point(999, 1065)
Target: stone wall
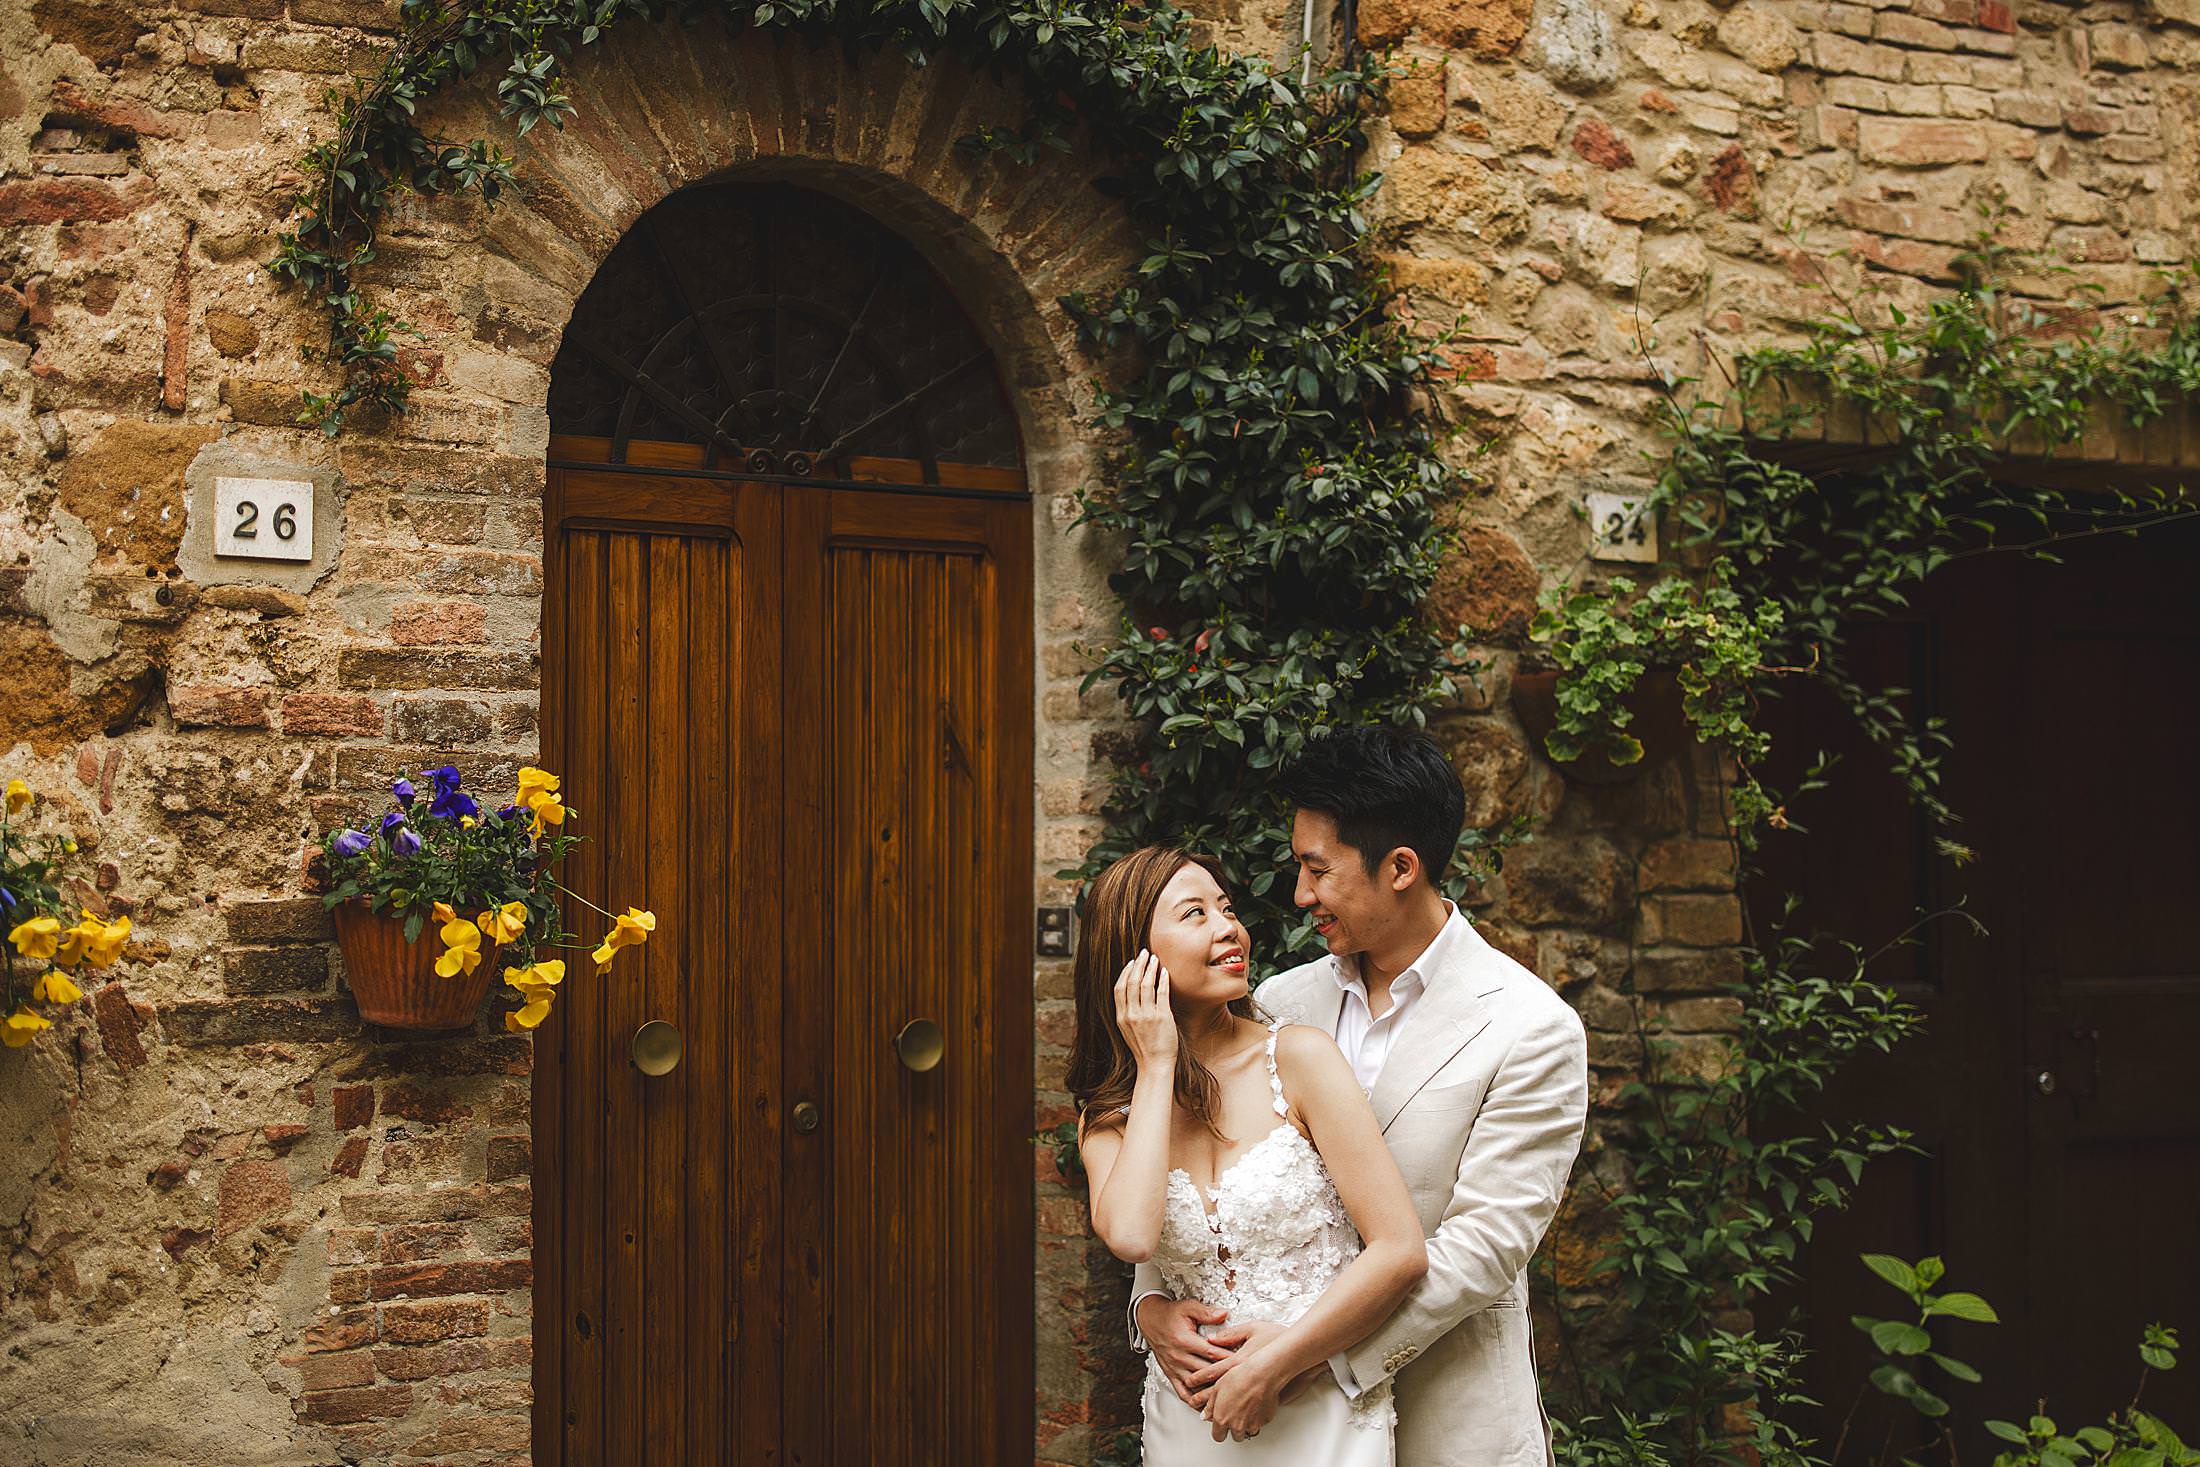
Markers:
point(240, 1230)
point(1595, 190)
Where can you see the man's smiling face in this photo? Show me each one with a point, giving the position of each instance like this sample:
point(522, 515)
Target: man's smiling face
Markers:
point(1350, 907)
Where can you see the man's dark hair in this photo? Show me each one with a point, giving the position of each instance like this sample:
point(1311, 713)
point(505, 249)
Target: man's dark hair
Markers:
point(1385, 788)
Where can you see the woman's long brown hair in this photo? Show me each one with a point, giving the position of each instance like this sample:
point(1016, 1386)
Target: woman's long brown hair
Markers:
point(1118, 923)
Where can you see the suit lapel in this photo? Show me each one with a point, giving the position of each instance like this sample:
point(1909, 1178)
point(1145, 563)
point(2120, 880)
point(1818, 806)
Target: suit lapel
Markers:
point(1453, 1009)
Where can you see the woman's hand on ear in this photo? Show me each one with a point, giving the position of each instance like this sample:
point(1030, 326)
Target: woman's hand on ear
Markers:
point(1142, 1012)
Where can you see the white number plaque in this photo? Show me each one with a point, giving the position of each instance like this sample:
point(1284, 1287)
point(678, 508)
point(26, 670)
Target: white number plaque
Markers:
point(1619, 530)
point(263, 519)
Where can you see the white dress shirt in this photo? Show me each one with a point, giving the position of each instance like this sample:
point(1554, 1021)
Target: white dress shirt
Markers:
point(1366, 1037)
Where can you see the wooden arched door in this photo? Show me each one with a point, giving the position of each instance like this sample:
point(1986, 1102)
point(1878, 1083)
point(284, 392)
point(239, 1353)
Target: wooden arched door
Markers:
point(787, 682)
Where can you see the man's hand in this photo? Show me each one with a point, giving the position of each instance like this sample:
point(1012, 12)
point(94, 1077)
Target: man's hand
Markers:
point(1170, 1328)
point(1238, 1341)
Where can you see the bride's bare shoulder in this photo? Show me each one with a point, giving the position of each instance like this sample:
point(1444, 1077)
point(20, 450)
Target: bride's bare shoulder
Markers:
point(1307, 1055)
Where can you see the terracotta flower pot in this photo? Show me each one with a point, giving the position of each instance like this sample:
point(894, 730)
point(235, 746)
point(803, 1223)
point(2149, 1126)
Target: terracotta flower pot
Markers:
point(1659, 724)
point(395, 981)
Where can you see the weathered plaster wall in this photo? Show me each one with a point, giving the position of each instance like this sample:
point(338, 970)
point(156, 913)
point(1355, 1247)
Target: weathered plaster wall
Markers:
point(237, 1229)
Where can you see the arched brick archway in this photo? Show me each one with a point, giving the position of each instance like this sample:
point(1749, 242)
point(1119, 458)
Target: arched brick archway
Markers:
point(667, 106)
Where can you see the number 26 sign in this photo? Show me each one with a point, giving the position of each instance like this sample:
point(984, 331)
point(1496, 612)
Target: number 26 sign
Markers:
point(263, 519)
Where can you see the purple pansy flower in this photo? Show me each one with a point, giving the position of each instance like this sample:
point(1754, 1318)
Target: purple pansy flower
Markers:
point(406, 842)
point(404, 791)
point(510, 812)
point(395, 817)
point(350, 843)
point(450, 804)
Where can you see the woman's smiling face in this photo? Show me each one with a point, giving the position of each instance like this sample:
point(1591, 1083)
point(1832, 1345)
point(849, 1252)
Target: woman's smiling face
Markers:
point(1199, 939)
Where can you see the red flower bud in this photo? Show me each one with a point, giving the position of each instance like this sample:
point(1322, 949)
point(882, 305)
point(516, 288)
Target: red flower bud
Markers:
point(1159, 634)
point(1201, 644)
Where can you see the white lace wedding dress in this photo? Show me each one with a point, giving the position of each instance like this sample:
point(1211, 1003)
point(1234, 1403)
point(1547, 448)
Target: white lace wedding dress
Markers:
point(1263, 1244)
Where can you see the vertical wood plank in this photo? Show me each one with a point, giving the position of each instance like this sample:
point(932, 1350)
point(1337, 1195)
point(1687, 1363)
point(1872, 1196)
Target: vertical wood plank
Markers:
point(708, 1066)
point(806, 1257)
point(581, 1132)
point(659, 973)
point(624, 795)
point(754, 977)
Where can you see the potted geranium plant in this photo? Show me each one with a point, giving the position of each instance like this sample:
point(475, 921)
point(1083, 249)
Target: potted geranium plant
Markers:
point(433, 857)
point(41, 953)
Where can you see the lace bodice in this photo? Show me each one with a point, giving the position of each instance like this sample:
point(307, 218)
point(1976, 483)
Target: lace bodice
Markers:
point(1268, 1237)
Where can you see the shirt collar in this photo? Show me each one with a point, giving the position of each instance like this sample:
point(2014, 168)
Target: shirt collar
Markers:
point(1346, 970)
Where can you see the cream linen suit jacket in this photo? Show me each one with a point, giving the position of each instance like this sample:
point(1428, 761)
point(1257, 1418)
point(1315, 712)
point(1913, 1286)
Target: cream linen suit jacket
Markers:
point(1482, 1102)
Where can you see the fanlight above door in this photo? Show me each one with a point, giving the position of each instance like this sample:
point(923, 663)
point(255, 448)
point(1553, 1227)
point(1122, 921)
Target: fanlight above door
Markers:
point(780, 332)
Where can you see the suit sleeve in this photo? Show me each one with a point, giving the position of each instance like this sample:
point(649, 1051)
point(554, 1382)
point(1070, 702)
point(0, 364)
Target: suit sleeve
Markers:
point(1146, 1279)
point(1511, 1177)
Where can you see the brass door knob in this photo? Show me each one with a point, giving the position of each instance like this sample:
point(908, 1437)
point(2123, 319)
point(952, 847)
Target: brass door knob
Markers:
point(920, 1044)
point(807, 1116)
point(656, 1047)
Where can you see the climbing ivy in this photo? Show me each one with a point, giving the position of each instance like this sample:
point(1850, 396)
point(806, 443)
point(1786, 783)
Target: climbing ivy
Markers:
point(1710, 1186)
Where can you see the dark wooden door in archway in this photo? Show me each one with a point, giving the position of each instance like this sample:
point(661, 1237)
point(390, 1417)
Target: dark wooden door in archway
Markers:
point(2050, 1089)
point(794, 711)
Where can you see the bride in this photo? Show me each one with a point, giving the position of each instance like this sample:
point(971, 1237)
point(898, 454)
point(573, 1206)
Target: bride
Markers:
point(1241, 1158)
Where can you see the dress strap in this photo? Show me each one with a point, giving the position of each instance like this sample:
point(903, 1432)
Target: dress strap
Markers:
point(1275, 1081)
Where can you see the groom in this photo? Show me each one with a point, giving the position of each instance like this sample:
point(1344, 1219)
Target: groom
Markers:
point(1478, 1073)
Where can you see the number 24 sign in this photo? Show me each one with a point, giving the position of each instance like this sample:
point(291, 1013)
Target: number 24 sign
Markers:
point(263, 519)
point(1619, 529)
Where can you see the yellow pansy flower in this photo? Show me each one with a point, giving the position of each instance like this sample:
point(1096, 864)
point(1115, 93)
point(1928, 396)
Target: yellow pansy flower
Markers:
point(547, 811)
point(37, 937)
point(76, 942)
point(538, 997)
point(108, 942)
point(538, 792)
point(55, 987)
point(633, 929)
point(505, 923)
point(16, 1030)
point(19, 796)
point(546, 974)
point(461, 949)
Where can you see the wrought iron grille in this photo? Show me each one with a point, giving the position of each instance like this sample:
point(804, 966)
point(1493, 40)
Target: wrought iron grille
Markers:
point(786, 331)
